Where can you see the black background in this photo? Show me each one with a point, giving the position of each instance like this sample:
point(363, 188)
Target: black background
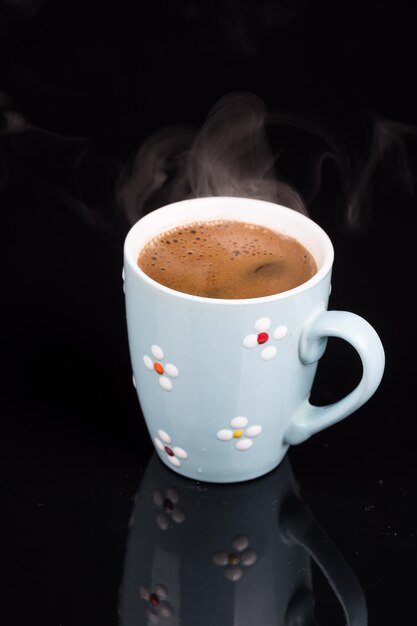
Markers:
point(81, 89)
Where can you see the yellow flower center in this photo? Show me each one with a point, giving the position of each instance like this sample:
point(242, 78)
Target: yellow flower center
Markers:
point(238, 433)
point(232, 559)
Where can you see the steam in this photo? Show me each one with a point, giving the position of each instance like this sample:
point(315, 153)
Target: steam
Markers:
point(387, 159)
point(16, 11)
point(24, 7)
point(243, 27)
point(242, 149)
point(230, 155)
point(157, 175)
point(61, 166)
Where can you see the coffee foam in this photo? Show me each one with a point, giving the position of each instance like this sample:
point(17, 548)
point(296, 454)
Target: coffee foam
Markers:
point(226, 259)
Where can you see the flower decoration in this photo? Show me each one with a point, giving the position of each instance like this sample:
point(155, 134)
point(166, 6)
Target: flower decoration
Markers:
point(261, 337)
point(174, 453)
point(233, 561)
point(165, 372)
point(167, 504)
point(158, 605)
point(240, 433)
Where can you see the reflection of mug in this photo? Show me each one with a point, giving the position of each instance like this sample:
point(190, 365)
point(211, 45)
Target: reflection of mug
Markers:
point(224, 385)
point(218, 555)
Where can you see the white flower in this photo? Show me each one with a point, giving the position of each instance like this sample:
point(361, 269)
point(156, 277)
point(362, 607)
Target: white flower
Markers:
point(167, 504)
point(173, 453)
point(262, 325)
point(233, 561)
point(243, 435)
point(157, 601)
point(163, 371)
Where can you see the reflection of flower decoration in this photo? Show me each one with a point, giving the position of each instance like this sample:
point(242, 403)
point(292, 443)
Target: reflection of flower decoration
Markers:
point(157, 601)
point(243, 435)
point(261, 326)
point(167, 504)
point(173, 453)
point(169, 369)
point(234, 561)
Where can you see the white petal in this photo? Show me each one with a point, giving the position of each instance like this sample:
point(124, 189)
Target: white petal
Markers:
point(165, 383)
point(165, 610)
point(171, 370)
point(262, 324)
point(173, 495)
point(224, 435)
point(158, 498)
point(250, 341)
point(248, 558)
point(178, 515)
point(174, 461)
point(123, 273)
point(244, 444)
point(161, 592)
point(159, 444)
point(162, 521)
point(148, 362)
point(280, 332)
point(239, 422)
point(220, 558)
point(164, 436)
point(233, 573)
point(268, 353)
point(157, 352)
point(152, 616)
point(134, 381)
point(240, 543)
point(180, 452)
point(253, 431)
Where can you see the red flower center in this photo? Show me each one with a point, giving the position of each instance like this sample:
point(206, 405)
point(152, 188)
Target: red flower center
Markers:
point(167, 505)
point(262, 338)
point(169, 451)
point(153, 600)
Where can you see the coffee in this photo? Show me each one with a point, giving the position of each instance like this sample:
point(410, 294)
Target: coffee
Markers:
point(226, 259)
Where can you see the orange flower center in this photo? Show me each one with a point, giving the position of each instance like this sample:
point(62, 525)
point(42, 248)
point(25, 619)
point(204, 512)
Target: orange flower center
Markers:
point(158, 368)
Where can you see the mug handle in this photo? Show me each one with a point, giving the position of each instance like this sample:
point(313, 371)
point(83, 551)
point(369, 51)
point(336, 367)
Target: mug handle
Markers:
point(310, 419)
point(298, 526)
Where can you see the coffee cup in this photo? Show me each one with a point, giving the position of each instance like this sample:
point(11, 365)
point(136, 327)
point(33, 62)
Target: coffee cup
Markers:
point(224, 383)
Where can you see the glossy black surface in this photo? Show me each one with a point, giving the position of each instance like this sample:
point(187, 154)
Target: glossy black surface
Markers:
point(80, 92)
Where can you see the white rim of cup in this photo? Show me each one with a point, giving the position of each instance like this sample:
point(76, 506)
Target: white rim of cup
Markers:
point(251, 210)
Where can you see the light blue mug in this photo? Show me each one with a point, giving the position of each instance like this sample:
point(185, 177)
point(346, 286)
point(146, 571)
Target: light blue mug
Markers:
point(224, 385)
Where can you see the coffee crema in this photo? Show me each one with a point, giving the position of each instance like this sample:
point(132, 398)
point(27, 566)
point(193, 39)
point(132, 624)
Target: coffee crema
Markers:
point(226, 259)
